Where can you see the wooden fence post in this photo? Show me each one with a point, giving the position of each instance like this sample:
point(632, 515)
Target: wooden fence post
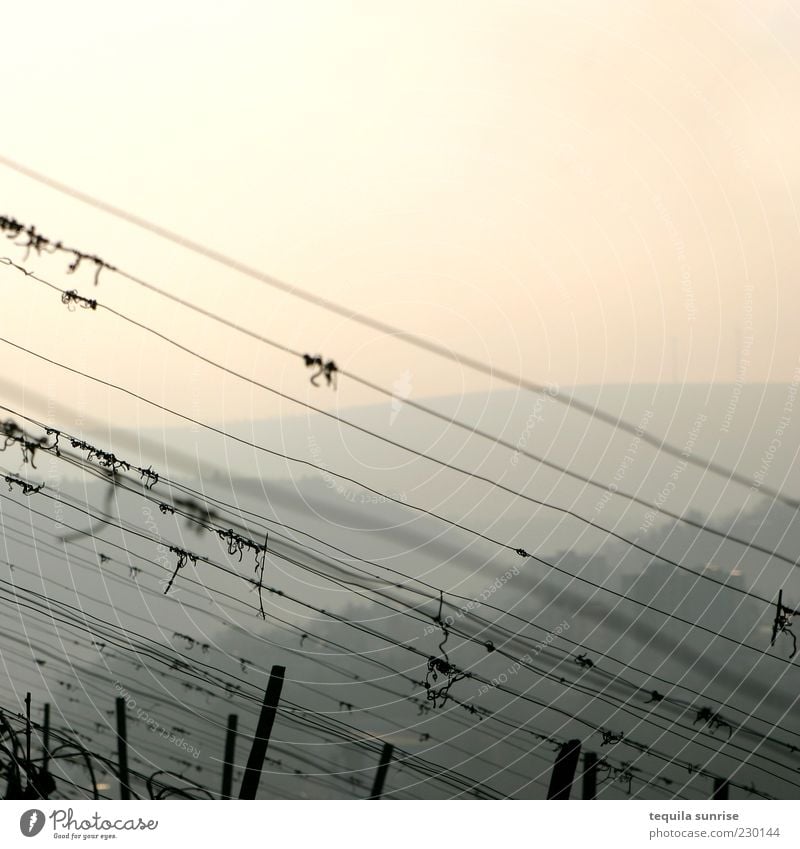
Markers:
point(122, 751)
point(227, 764)
point(46, 740)
point(383, 768)
point(721, 787)
point(272, 695)
point(589, 775)
point(564, 770)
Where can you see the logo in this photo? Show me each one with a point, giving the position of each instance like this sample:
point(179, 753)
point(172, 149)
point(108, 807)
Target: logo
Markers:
point(31, 822)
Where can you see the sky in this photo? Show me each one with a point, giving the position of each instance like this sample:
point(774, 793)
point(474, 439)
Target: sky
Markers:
point(581, 193)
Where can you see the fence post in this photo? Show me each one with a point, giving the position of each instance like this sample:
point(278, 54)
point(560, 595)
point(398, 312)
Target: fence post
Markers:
point(383, 768)
point(564, 770)
point(589, 775)
point(122, 750)
point(252, 772)
point(721, 787)
point(46, 740)
point(227, 764)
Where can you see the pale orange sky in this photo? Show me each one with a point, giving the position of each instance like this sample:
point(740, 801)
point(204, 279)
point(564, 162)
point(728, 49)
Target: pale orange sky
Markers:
point(578, 192)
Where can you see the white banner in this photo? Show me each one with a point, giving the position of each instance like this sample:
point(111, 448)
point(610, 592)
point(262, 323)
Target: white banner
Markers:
point(342, 825)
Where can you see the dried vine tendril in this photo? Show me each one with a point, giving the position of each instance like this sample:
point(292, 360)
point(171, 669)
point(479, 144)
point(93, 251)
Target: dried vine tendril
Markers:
point(35, 241)
point(611, 737)
point(783, 623)
point(713, 720)
point(27, 488)
point(71, 298)
point(13, 434)
point(327, 369)
point(183, 558)
point(438, 667)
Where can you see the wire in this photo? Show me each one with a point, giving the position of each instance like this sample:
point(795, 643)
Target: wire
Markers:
point(642, 748)
point(467, 636)
point(443, 463)
point(517, 449)
point(388, 329)
point(424, 511)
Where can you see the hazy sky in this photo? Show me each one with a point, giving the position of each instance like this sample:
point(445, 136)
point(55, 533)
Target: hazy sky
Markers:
point(580, 192)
